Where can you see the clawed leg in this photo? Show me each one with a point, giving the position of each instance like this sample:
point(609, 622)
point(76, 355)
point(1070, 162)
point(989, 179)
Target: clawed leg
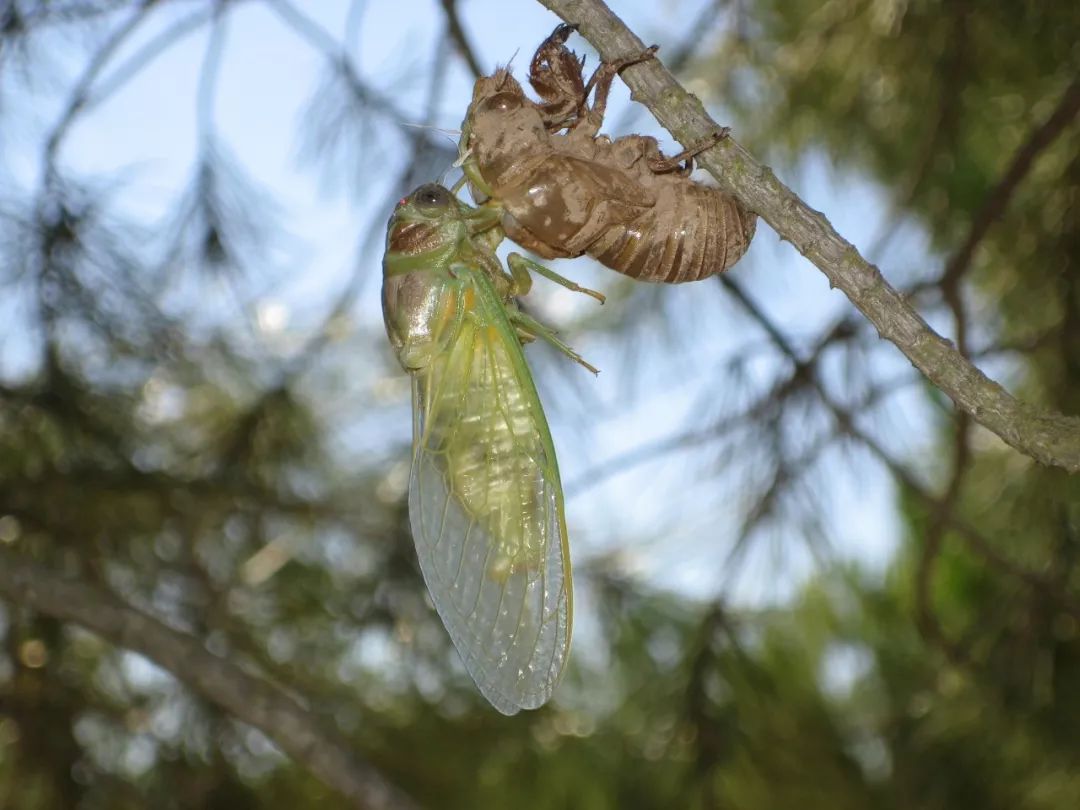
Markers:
point(520, 265)
point(475, 179)
point(530, 328)
point(661, 164)
point(600, 85)
point(555, 75)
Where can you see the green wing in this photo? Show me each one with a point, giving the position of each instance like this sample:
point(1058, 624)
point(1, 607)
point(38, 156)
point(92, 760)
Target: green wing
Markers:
point(486, 508)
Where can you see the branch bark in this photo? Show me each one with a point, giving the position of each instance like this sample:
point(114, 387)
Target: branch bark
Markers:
point(247, 698)
point(1048, 437)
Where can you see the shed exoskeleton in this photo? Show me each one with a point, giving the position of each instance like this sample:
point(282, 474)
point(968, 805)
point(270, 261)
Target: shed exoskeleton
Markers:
point(564, 190)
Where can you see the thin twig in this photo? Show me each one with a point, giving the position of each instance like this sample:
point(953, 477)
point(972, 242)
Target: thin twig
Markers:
point(51, 215)
point(846, 423)
point(927, 620)
point(694, 439)
point(301, 361)
point(998, 199)
point(952, 72)
point(677, 57)
point(939, 521)
point(1050, 438)
point(457, 34)
point(75, 11)
point(206, 93)
point(81, 93)
point(334, 52)
point(149, 52)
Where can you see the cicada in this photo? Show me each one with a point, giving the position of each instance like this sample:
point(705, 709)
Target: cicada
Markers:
point(485, 500)
point(567, 191)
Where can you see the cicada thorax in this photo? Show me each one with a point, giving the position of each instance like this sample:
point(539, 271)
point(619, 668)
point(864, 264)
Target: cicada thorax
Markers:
point(422, 303)
point(424, 300)
point(566, 204)
point(567, 193)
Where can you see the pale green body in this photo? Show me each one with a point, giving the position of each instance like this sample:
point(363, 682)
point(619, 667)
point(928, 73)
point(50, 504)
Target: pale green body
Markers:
point(485, 501)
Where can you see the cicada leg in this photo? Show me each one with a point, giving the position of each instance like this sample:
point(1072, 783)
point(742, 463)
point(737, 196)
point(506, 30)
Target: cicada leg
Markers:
point(530, 328)
point(520, 278)
point(475, 179)
point(490, 238)
point(555, 75)
point(599, 85)
point(660, 163)
point(520, 267)
point(485, 219)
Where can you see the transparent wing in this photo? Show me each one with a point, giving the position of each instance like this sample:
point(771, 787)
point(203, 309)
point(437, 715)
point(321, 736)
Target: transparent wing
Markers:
point(486, 509)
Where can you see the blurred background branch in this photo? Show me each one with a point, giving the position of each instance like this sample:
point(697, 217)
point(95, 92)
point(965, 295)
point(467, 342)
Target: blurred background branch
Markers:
point(249, 699)
point(802, 576)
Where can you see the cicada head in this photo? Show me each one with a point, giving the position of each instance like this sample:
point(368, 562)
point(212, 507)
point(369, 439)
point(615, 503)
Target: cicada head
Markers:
point(499, 92)
point(427, 222)
point(424, 235)
point(501, 126)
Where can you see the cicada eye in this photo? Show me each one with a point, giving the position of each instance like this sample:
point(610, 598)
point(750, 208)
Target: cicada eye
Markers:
point(431, 197)
point(501, 102)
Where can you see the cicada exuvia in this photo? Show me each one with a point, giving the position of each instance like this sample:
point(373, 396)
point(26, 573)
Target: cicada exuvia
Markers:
point(567, 191)
point(485, 501)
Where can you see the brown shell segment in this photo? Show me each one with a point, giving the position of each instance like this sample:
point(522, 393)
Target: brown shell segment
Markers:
point(691, 233)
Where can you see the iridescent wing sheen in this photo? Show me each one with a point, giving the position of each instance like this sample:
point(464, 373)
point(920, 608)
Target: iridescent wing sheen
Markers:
point(486, 509)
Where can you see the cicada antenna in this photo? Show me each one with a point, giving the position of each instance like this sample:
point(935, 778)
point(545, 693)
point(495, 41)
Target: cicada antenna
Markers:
point(457, 164)
point(449, 133)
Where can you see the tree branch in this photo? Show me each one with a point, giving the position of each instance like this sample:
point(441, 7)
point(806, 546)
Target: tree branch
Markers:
point(1048, 437)
point(461, 41)
point(997, 200)
point(925, 616)
point(846, 423)
point(81, 94)
point(247, 698)
point(953, 71)
point(337, 56)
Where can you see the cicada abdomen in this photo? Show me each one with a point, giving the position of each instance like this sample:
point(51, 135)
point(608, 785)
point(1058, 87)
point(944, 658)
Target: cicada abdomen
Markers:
point(692, 232)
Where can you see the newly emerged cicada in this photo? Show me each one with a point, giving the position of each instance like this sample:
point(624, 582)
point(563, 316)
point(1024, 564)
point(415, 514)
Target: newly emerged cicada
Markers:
point(485, 501)
point(566, 191)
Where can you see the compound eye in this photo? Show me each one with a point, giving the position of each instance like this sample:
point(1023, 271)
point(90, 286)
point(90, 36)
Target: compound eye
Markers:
point(501, 102)
point(431, 197)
